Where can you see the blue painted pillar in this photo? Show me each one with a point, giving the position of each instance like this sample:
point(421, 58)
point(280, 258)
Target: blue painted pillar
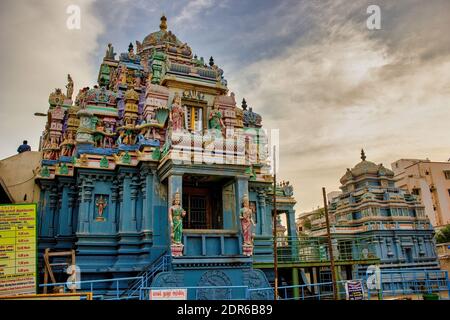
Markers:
point(160, 218)
point(376, 246)
point(398, 248)
point(269, 217)
point(292, 233)
point(241, 189)
point(53, 219)
point(265, 225)
point(73, 200)
point(46, 213)
point(147, 205)
point(85, 205)
point(126, 223)
point(229, 206)
point(291, 227)
point(175, 184)
point(64, 217)
point(134, 196)
point(115, 204)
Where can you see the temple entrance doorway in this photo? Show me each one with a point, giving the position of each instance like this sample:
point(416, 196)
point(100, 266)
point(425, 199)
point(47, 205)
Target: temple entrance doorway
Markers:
point(203, 201)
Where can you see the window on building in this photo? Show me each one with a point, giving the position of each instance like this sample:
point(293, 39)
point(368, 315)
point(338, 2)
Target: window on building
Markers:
point(447, 174)
point(416, 191)
point(420, 212)
point(375, 212)
point(194, 118)
point(393, 212)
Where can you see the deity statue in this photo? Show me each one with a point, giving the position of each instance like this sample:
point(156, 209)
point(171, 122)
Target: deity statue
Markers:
point(123, 75)
point(246, 217)
point(68, 145)
point(176, 214)
point(140, 138)
point(120, 138)
point(137, 82)
point(177, 113)
point(215, 119)
point(98, 136)
point(108, 141)
point(69, 87)
point(101, 205)
point(128, 137)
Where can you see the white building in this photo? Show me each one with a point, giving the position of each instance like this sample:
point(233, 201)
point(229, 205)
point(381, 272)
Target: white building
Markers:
point(431, 182)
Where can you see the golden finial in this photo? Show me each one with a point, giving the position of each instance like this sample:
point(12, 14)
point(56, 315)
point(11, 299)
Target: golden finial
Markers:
point(163, 25)
point(363, 155)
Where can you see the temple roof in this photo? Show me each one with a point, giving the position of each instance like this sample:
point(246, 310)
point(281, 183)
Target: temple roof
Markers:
point(161, 37)
point(365, 167)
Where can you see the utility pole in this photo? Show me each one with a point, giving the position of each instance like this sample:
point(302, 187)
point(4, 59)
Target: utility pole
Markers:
point(330, 248)
point(275, 249)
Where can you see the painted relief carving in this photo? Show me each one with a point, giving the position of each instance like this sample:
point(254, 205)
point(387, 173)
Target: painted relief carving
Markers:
point(101, 203)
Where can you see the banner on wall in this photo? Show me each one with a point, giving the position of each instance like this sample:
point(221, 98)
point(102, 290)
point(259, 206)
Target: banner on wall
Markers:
point(354, 290)
point(18, 259)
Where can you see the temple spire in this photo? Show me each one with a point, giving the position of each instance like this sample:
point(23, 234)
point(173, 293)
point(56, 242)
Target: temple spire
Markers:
point(363, 155)
point(163, 25)
point(244, 104)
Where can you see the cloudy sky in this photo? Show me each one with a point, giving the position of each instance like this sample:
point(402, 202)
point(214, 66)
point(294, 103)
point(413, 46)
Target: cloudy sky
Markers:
point(311, 68)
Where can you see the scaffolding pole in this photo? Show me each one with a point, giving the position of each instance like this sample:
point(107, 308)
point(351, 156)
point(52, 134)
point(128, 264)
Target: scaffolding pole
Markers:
point(330, 247)
point(275, 249)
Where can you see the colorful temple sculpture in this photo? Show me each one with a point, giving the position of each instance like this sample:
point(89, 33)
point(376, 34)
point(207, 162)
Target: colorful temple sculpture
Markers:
point(157, 160)
point(386, 219)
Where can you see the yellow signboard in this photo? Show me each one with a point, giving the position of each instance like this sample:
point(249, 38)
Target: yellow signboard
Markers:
point(18, 249)
point(57, 296)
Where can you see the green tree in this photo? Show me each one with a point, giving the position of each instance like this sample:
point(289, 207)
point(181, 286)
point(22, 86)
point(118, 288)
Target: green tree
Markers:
point(307, 224)
point(443, 235)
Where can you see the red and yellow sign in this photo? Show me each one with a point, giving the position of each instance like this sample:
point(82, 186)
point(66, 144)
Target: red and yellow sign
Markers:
point(17, 249)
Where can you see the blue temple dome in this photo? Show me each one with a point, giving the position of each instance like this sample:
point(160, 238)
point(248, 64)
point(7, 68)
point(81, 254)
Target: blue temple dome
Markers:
point(365, 167)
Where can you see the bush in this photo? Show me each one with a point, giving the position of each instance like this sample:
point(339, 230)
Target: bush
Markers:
point(443, 235)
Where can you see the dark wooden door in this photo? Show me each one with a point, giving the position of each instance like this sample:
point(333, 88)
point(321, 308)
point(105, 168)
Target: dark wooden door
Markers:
point(197, 203)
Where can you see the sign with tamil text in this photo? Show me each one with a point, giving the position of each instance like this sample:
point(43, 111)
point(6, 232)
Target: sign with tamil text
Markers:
point(168, 294)
point(354, 290)
point(18, 249)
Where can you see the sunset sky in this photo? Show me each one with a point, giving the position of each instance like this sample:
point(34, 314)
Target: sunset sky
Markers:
point(311, 68)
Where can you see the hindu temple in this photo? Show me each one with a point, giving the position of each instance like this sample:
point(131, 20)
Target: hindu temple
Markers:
point(156, 170)
point(389, 220)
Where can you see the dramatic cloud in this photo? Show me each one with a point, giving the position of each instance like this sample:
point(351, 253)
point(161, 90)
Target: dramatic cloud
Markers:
point(38, 53)
point(311, 68)
point(190, 12)
point(342, 87)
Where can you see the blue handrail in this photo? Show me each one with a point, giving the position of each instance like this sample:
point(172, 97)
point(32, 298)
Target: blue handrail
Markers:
point(160, 265)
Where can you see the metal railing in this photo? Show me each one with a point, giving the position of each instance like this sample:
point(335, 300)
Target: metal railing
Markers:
point(315, 291)
point(393, 283)
point(146, 276)
point(99, 290)
point(411, 283)
point(315, 249)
